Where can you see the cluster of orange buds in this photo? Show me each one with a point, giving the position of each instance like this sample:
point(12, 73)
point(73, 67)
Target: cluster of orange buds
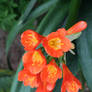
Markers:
point(37, 73)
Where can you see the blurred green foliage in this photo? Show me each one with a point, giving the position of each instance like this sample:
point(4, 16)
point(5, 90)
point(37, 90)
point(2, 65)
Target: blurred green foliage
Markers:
point(10, 11)
point(49, 15)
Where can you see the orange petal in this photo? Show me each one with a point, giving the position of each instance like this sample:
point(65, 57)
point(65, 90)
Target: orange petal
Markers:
point(21, 75)
point(28, 78)
point(78, 27)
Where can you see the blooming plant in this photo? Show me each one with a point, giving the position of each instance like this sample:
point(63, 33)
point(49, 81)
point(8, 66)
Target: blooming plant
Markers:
point(37, 71)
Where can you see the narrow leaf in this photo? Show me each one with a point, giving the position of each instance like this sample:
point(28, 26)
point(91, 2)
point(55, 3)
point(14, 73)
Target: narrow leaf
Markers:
point(15, 81)
point(53, 19)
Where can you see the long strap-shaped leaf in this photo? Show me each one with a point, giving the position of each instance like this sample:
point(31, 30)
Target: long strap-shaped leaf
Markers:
point(42, 9)
point(84, 46)
point(15, 81)
point(26, 89)
point(28, 10)
point(53, 19)
point(39, 11)
point(73, 13)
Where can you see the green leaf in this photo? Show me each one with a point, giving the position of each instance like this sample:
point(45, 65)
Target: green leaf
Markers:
point(5, 83)
point(15, 81)
point(73, 63)
point(28, 10)
point(84, 44)
point(73, 13)
point(85, 57)
point(26, 89)
point(4, 72)
point(39, 11)
point(42, 9)
point(53, 19)
point(74, 36)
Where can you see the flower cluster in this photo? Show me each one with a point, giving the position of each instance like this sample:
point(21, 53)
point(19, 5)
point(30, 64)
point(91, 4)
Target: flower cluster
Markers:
point(37, 73)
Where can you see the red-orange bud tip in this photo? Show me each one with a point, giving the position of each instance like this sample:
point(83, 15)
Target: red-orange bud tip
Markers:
point(78, 27)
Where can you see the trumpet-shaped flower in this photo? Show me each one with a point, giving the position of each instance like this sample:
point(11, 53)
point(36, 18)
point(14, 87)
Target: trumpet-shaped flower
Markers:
point(55, 44)
point(34, 61)
point(51, 73)
point(28, 78)
point(70, 82)
point(30, 39)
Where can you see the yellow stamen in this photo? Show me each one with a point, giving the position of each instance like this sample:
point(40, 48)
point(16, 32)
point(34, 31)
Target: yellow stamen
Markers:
point(73, 87)
point(37, 58)
point(69, 31)
point(55, 43)
point(52, 71)
point(73, 46)
point(31, 40)
point(30, 34)
point(31, 79)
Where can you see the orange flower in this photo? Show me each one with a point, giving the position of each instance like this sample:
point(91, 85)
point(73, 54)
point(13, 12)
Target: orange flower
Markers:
point(55, 43)
point(28, 78)
point(78, 27)
point(34, 61)
point(30, 39)
point(51, 73)
point(70, 82)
